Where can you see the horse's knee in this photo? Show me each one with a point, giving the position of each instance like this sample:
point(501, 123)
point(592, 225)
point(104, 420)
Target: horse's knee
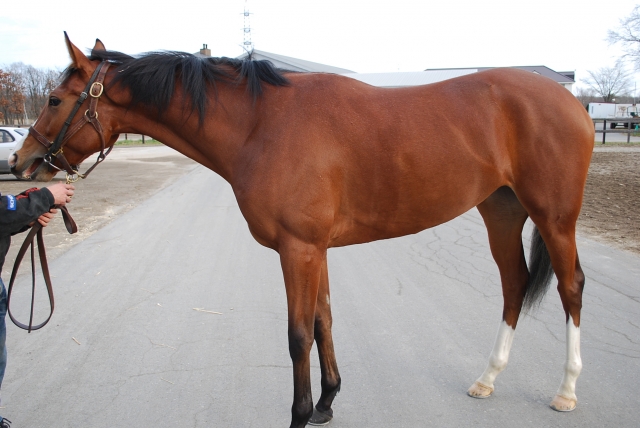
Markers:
point(300, 342)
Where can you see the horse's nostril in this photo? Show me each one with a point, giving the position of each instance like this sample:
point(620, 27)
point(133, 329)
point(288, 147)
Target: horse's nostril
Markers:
point(13, 160)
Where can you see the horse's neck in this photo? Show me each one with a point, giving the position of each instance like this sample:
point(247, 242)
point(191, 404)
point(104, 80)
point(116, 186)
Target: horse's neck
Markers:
point(216, 143)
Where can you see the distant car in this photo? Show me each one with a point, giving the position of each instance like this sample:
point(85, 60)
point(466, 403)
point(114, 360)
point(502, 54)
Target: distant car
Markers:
point(9, 136)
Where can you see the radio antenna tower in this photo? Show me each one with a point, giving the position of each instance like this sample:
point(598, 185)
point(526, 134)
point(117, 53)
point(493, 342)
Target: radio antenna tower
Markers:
point(247, 44)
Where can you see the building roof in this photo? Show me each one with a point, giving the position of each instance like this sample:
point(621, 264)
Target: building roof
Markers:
point(408, 78)
point(570, 74)
point(563, 78)
point(295, 64)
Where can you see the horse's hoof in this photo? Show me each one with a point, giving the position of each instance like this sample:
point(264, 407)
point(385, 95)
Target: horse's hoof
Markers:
point(479, 390)
point(563, 404)
point(319, 418)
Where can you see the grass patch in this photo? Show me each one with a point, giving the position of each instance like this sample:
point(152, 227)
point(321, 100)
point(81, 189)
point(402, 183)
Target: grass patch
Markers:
point(135, 143)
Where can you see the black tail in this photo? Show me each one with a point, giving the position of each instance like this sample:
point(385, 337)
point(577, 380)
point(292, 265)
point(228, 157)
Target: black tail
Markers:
point(540, 272)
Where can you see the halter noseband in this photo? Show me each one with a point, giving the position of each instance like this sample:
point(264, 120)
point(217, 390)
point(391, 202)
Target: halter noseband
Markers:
point(94, 89)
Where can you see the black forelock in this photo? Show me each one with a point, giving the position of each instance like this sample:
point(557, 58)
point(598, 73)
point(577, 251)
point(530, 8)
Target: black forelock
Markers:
point(151, 77)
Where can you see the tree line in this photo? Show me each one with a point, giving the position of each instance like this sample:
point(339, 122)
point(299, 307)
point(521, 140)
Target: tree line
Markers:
point(24, 91)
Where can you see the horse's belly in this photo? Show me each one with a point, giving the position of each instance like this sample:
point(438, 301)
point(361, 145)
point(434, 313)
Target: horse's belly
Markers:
point(374, 227)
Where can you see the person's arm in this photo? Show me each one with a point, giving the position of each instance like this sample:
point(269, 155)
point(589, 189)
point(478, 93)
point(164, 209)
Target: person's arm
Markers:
point(17, 214)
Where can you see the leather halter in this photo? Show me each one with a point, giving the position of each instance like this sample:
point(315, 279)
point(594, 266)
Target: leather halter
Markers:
point(94, 89)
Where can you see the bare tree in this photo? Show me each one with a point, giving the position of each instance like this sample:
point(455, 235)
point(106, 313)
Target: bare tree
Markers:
point(19, 77)
point(33, 82)
point(628, 35)
point(586, 96)
point(12, 99)
point(35, 85)
point(51, 79)
point(38, 84)
point(608, 82)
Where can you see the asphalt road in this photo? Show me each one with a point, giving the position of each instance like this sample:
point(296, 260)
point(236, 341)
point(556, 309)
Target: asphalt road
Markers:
point(414, 322)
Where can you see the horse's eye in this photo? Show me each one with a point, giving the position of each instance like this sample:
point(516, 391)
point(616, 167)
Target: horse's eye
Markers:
point(53, 101)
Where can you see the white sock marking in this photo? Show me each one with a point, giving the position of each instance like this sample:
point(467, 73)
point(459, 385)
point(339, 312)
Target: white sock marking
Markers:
point(499, 356)
point(573, 364)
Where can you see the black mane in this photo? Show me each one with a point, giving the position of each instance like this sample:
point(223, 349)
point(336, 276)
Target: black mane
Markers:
point(151, 77)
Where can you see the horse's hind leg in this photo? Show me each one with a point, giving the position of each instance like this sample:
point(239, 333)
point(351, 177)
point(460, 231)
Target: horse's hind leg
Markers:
point(504, 217)
point(561, 243)
point(330, 381)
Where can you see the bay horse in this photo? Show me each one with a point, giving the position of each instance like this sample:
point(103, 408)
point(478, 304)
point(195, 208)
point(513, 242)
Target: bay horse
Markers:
point(319, 160)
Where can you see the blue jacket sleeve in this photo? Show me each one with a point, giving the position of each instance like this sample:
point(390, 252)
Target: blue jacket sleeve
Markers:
point(26, 210)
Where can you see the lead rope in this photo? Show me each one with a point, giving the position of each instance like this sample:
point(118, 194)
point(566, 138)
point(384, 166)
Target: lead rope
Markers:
point(36, 233)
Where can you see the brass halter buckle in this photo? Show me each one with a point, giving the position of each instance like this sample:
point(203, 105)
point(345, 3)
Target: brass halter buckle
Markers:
point(94, 85)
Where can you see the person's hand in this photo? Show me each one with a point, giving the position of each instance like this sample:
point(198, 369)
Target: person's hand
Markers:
point(62, 193)
point(45, 218)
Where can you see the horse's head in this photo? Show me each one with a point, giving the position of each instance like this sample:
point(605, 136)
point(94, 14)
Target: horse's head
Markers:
point(72, 126)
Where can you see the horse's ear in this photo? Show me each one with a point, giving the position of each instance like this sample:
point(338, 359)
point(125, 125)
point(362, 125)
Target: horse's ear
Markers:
point(78, 59)
point(99, 46)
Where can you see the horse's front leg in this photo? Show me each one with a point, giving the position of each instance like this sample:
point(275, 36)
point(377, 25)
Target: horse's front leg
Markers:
point(322, 414)
point(301, 266)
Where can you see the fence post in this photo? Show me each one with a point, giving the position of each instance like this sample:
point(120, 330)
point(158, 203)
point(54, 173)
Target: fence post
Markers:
point(604, 130)
point(142, 138)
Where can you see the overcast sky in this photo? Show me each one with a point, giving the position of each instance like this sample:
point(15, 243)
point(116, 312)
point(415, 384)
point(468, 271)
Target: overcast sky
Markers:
point(363, 36)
